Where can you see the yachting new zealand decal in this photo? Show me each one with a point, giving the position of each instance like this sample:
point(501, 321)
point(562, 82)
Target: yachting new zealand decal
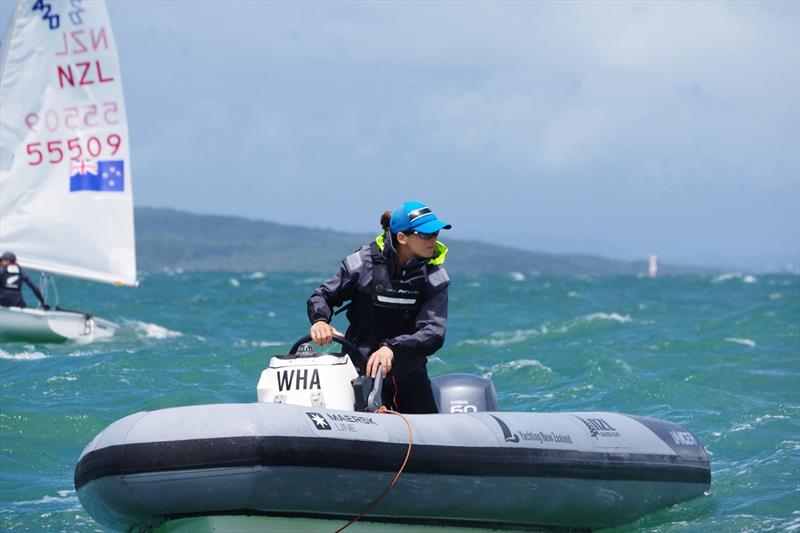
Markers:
point(507, 435)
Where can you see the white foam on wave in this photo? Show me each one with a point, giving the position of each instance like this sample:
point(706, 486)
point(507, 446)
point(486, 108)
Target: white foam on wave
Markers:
point(625, 366)
point(64, 496)
point(743, 342)
point(257, 275)
point(616, 317)
point(22, 356)
point(474, 284)
point(154, 331)
point(745, 278)
point(257, 344)
point(66, 377)
point(234, 282)
point(573, 294)
point(760, 419)
point(515, 365)
point(516, 276)
point(503, 338)
point(775, 296)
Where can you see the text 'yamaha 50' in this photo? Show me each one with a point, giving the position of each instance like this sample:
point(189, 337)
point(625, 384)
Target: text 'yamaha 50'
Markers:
point(314, 447)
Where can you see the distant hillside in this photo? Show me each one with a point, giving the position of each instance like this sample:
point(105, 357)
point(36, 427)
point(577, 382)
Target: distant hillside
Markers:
point(170, 239)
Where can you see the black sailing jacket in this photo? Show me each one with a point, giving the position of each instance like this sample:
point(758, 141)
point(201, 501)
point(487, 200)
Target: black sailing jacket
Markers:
point(11, 278)
point(404, 306)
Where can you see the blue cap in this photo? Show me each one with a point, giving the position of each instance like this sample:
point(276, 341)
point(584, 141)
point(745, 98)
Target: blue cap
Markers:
point(415, 216)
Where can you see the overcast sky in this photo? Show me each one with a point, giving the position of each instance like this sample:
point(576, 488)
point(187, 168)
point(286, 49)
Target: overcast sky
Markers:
point(617, 128)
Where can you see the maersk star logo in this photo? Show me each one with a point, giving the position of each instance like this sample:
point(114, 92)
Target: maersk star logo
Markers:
point(319, 421)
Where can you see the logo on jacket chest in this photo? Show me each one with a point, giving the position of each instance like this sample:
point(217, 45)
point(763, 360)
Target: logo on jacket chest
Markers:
point(388, 289)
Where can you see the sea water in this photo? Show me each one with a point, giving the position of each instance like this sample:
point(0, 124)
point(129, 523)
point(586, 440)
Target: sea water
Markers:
point(718, 355)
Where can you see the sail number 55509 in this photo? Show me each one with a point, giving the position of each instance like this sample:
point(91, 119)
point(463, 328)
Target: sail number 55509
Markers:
point(72, 149)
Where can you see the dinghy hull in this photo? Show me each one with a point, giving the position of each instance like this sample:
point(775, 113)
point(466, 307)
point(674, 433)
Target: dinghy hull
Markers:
point(39, 325)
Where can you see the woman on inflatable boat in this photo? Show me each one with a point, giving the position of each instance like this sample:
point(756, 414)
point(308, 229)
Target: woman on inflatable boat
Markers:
point(397, 289)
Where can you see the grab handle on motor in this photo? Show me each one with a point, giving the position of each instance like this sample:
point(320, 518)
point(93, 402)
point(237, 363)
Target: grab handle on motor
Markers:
point(349, 348)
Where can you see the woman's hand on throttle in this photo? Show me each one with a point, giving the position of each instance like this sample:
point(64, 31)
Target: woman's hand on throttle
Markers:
point(383, 356)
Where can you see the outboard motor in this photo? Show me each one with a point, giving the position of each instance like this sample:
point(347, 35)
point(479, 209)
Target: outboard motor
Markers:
point(329, 380)
point(464, 393)
point(304, 377)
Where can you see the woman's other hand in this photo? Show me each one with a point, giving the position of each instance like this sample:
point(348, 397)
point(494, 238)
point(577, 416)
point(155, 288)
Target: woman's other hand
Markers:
point(322, 333)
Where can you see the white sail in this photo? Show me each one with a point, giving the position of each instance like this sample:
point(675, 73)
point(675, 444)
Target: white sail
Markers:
point(66, 204)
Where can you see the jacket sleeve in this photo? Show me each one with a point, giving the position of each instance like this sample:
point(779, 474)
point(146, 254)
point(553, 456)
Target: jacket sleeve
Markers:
point(431, 326)
point(33, 287)
point(335, 291)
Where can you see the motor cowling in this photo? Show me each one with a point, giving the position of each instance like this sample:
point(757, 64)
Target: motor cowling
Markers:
point(464, 393)
point(310, 379)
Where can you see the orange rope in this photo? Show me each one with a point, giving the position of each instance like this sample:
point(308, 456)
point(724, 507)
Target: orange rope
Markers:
point(377, 500)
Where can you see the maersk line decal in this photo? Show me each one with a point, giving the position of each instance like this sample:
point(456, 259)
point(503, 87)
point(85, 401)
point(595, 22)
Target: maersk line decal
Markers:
point(598, 427)
point(319, 421)
point(339, 422)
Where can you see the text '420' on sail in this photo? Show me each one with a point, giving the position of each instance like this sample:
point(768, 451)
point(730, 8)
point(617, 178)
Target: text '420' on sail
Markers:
point(66, 205)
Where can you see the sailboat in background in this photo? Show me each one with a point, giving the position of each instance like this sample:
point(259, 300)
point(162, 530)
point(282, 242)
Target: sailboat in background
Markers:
point(66, 204)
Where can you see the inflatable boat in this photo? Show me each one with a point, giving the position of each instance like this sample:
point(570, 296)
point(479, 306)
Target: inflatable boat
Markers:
point(315, 447)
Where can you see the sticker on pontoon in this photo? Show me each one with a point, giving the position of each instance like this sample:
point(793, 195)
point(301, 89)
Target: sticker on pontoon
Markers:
point(598, 427)
point(683, 437)
point(342, 422)
point(297, 379)
point(319, 421)
point(533, 435)
point(507, 435)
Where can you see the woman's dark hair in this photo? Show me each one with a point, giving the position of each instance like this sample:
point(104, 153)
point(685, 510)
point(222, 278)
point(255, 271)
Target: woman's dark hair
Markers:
point(386, 217)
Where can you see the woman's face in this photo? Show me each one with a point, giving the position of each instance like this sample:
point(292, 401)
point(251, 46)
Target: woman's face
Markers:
point(420, 244)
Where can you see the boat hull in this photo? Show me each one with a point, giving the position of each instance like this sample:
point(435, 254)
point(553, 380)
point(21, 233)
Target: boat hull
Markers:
point(480, 469)
point(39, 325)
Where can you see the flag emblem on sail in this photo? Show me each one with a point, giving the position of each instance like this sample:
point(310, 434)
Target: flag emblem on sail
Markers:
point(103, 176)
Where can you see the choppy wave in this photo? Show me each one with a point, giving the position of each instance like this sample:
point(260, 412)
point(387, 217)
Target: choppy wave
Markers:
point(257, 275)
point(745, 278)
point(504, 338)
point(516, 276)
point(68, 497)
point(744, 342)
point(616, 317)
point(510, 366)
point(234, 282)
point(22, 356)
point(257, 344)
point(154, 331)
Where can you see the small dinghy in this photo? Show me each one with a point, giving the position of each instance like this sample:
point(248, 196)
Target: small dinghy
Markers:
point(314, 447)
point(54, 325)
point(66, 200)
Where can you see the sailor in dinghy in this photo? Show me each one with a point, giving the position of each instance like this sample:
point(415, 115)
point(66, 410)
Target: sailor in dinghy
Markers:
point(12, 276)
